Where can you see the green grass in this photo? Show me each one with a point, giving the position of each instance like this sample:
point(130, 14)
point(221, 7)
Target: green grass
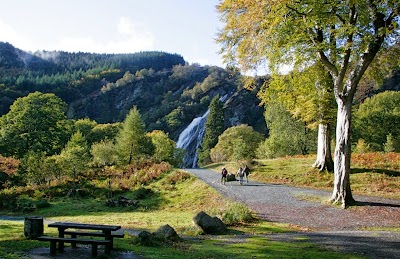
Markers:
point(174, 200)
point(244, 242)
point(375, 174)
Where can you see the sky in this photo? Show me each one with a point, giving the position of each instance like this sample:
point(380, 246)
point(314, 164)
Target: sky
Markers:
point(185, 27)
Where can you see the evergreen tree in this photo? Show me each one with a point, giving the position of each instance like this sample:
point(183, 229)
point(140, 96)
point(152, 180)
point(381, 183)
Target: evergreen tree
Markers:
point(214, 128)
point(131, 140)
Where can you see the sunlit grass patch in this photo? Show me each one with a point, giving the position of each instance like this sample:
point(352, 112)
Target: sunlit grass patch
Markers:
point(13, 243)
point(375, 174)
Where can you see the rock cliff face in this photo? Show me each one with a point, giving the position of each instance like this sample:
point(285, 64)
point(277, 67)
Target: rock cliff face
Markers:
point(244, 108)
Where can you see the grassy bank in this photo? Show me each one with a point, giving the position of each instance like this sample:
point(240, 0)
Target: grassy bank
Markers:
point(376, 174)
point(173, 198)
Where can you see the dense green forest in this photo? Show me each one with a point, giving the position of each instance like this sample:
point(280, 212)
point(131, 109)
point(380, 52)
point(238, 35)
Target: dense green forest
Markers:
point(69, 75)
point(167, 91)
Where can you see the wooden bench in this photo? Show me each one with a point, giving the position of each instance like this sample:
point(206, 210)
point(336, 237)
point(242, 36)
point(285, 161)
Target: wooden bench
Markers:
point(74, 234)
point(93, 242)
point(106, 231)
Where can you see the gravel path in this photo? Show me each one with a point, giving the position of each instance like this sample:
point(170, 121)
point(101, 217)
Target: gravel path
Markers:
point(325, 225)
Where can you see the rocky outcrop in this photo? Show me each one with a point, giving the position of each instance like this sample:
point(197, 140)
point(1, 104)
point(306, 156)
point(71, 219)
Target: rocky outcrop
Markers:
point(243, 107)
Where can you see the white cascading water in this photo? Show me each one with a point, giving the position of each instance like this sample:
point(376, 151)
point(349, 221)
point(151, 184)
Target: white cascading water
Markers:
point(190, 140)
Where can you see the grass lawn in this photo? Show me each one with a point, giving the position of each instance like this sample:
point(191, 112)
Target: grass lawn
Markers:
point(172, 200)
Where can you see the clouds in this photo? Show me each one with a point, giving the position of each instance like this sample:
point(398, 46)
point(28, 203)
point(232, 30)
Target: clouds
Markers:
point(184, 27)
point(126, 36)
point(10, 35)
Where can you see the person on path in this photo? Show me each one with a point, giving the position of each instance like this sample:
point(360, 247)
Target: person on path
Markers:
point(240, 173)
point(246, 171)
point(224, 174)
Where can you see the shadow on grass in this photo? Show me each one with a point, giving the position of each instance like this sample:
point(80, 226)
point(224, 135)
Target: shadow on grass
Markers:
point(375, 204)
point(378, 171)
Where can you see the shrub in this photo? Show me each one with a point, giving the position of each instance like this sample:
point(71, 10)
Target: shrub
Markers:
point(11, 198)
point(362, 147)
point(237, 213)
point(148, 172)
point(377, 160)
point(143, 193)
point(41, 204)
point(24, 204)
point(392, 144)
point(176, 177)
point(236, 143)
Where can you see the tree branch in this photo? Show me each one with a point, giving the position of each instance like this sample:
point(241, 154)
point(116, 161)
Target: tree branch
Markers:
point(349, 43)
point(297, 11)
point(379, 22)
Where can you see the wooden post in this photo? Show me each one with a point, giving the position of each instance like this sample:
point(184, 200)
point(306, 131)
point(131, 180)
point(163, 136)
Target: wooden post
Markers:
point(33, 227)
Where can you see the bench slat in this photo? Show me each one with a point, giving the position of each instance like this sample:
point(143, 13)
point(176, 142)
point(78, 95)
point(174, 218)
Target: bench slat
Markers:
point(74, 240)
point(93, 242)
point(94, 234)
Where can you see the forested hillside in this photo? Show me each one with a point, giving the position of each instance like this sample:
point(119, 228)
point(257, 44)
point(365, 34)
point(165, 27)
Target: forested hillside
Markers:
point(103, 87)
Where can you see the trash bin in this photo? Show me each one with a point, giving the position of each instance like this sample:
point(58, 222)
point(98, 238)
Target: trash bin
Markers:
point(33, 227)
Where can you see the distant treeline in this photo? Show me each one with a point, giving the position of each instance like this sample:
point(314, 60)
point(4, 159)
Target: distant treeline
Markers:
point(69, 75)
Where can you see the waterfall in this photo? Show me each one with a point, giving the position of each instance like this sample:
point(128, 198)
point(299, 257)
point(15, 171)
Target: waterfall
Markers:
point(190, 140)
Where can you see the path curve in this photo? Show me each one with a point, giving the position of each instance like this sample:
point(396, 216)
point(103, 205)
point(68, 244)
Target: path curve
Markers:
point(323, 224)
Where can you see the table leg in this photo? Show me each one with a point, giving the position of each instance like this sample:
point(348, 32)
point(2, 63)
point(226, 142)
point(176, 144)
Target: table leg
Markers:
point(61, 244)
point(108, 236)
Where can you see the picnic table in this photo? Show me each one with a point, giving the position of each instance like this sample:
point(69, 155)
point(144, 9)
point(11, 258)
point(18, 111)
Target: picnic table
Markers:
point(75, 229)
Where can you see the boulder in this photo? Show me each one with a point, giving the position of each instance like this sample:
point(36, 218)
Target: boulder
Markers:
point(209, 225)
point(166, 232)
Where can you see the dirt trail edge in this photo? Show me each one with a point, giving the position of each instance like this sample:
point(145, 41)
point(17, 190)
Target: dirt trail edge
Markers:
point(325, 225)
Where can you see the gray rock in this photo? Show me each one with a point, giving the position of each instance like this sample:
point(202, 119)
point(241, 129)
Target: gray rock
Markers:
point(166, 232)
point(209, 225)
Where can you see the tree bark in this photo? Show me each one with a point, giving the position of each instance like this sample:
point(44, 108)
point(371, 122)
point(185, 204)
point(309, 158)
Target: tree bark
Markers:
point(341, 191)
point(324, 157)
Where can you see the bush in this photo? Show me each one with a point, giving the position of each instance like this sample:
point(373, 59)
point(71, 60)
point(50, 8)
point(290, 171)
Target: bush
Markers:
point(143, 193)
point(41, 204)
point(24, 204)
point(362, 147)
point(146, 173)
point(176, 177)
point(237, 213)
point(376, 160)
point(236, 143)
point(392, 144)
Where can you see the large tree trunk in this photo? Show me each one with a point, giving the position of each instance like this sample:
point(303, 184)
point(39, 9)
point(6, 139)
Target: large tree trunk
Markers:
point(324, 157)
point(341, 191)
